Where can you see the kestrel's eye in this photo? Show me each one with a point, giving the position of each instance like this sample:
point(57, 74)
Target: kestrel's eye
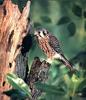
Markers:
point(44, 33)
point(39, 33)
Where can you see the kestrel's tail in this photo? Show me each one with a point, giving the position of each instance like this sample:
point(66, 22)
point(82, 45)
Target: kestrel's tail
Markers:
point(66, 62)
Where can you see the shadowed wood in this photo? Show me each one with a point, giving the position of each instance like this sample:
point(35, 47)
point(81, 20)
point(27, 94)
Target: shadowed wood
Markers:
point(38, 72)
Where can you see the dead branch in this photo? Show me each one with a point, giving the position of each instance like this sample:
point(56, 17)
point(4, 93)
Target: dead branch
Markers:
point(39, 72)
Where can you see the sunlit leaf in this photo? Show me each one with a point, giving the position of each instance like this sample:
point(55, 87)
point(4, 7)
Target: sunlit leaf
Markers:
point(18, 83)
point(75, 78)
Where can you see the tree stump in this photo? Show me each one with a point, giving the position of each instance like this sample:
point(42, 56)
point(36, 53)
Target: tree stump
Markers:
point(38, 72)
point(13, 28)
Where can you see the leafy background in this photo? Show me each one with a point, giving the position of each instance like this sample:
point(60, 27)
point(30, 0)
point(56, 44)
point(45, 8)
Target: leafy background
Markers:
point(66, 19)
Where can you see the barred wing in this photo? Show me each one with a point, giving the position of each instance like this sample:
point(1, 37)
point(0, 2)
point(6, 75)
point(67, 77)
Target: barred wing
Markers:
point(54, 43)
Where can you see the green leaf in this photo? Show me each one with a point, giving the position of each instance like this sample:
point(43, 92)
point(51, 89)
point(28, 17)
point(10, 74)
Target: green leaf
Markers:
point(82, 85)
point(37, 24)
point(18, 83)
point(71, 28)
point(63, 20)
point(84, 13)
point(77, 10)
point(49, 88)
point(14, 93)
point(46, 19)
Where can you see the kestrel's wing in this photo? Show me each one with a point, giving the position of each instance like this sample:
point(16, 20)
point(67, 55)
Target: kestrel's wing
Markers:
point(54, 43)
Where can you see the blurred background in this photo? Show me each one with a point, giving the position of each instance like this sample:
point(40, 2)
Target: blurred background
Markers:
point(66, 19)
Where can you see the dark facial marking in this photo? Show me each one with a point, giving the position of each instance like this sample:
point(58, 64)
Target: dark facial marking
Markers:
point(39, 33)
point(44, 32)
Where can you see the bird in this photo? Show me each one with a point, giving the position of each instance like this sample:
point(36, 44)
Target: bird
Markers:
point(51, 47)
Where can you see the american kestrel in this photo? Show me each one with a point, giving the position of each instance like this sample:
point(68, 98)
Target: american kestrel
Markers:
point(51, 47)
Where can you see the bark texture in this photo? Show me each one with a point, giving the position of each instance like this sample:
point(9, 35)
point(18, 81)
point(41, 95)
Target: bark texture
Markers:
point(39, 72)
point(13, 28)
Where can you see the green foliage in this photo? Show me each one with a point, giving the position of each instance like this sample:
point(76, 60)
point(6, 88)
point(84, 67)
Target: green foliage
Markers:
point(77, 10)
point(66, 19)
point(82, 85)
point(21, 3)
point(49, 88)
point(63, 18)
point(71, 28)
point(63, 88)
point(15, 93)
point(19, 85)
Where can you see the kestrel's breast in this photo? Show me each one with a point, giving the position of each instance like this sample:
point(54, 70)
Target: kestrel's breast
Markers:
point(48, 50)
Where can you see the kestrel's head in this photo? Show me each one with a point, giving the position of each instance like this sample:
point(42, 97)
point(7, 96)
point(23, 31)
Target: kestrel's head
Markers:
point(41, 33)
